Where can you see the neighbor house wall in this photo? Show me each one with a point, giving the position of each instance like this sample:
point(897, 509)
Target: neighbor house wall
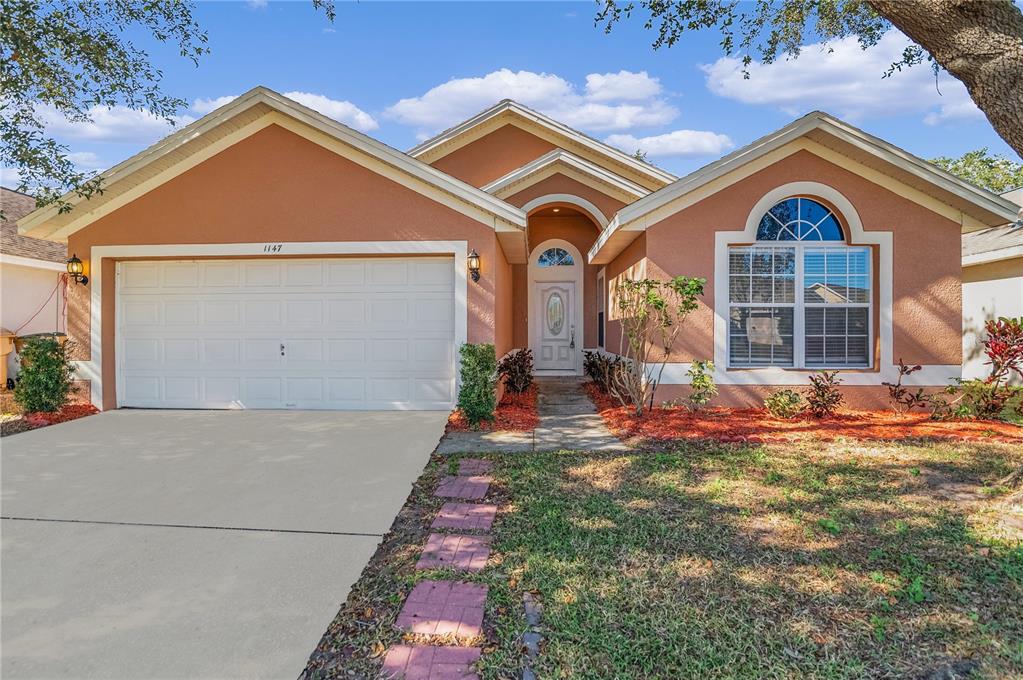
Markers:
point(990, 291)
point(28, 291)
point(276, 187)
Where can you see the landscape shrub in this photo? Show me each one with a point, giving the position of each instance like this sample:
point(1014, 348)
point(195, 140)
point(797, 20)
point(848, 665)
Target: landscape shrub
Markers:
point(784, 404)
point(822, 396)
point(601, 369)
point(701, 376)
point(517, 370)
point(901, 397)
point(477, 396)
point(45, 380)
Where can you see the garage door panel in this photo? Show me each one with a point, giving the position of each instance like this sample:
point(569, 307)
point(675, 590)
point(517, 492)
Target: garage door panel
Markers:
point(375, 333)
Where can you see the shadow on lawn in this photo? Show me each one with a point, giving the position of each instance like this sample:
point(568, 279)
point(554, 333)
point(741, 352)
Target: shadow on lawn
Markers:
point(774, 561)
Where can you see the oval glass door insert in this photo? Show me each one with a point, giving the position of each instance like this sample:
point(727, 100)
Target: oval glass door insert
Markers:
point(555, 314)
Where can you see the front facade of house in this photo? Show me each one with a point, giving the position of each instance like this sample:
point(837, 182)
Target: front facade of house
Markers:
point(266, 256)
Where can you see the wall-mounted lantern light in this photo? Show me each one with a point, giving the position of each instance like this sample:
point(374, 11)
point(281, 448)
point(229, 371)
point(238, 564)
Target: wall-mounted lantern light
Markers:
point(76, 270)
point(474, 264)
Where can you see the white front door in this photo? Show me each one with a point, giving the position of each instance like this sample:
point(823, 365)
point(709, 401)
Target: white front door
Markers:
point(556, 338)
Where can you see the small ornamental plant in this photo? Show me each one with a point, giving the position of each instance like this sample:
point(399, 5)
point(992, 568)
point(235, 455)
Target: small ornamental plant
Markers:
point(517, 370)
point(823, 396)
point(701, 381)
point(901, 397)
point(784, 404)
point(46, 378)
point(477, 396)
point(601, 369)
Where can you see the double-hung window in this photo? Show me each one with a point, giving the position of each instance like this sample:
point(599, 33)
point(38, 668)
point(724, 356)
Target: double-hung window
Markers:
point(800, 297)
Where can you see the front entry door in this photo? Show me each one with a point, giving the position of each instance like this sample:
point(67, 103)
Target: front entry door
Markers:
point(557, 333)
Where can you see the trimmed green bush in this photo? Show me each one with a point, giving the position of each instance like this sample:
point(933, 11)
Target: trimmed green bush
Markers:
point(477, 397)
point(701, 377)
point(46, 375)
point(822, 396)
point(784, 404)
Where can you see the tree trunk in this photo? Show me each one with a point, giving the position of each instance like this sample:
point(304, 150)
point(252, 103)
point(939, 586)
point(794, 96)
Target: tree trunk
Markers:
point(980, 42)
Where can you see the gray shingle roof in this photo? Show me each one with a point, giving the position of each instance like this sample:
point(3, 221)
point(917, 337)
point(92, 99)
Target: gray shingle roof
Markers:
point(996, 238)
point(15, 206)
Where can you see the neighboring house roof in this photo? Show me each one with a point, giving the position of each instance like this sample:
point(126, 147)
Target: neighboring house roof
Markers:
point(973, 207)
point(510, 112)
point(998, 243)
point(559, 160)
point(16, 205)
point(244, 116)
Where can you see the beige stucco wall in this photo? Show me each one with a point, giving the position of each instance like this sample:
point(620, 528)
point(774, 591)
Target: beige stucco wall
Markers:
point(276, 186)
point(493, 155)
point(990, 291)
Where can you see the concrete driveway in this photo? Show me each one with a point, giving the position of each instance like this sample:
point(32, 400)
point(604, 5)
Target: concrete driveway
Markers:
point(193, 544)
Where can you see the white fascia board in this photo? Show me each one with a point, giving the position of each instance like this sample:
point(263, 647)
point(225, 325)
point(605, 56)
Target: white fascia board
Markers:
point(993, 256)
point(560, 156)
point(21, 261)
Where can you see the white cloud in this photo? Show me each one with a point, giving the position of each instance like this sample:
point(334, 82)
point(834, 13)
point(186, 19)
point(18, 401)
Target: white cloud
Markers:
point(343, 111)
point(679, 143)
point(257, 4)
point(86, 160)
point(623, 86)
point(204, 106)
point(611, 101)
point(111, 124)
point(10, 178)
point(845, 81)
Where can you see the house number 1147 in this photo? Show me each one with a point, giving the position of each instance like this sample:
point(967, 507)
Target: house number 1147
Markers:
point(273, 247)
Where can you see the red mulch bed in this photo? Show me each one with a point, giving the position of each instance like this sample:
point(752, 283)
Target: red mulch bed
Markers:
point(756, 425)
point(69, 412)
point(515, 413)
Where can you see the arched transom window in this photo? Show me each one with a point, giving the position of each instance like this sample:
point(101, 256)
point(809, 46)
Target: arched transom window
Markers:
point(555, 257)
point(799, 219)
point(800, 297)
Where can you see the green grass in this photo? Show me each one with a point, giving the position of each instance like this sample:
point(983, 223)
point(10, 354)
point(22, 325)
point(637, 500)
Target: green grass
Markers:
point(839, 560)
point(834, 561)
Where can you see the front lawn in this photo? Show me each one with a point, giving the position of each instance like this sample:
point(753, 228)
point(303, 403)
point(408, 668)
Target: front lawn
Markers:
point(813, 559)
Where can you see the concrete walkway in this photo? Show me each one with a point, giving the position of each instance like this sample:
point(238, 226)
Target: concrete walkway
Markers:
point(568, 421)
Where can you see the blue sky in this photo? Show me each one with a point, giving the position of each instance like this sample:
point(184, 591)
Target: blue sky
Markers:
point(401, 72)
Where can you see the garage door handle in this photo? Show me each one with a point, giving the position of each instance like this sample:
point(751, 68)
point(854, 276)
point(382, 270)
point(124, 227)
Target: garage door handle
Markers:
point(282, 349)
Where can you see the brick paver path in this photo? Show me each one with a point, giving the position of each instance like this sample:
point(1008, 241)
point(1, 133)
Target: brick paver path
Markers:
point(465, 517)
point(474, 466)
point(444, 608)
point(473, 487)
point(468, 553)
point(430, 663)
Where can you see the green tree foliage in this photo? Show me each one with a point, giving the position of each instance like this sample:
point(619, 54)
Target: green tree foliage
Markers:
point(64, 57)
point(979, 42)
point(995, 173)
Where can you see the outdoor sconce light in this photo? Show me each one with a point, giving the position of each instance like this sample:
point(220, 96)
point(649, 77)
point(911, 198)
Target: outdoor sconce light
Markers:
point(76, 269)
point(474, 264)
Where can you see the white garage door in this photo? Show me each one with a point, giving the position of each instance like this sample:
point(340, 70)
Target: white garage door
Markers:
point(372, 333)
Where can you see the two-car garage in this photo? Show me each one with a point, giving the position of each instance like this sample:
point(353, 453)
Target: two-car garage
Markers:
point(330, 333)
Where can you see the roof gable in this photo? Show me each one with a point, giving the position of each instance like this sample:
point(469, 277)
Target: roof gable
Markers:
point(570, 165)
point(508, 112)
point(831, 139)
point(245, 115)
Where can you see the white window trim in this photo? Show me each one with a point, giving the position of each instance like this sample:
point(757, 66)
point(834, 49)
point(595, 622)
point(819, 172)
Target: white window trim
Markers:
point(92, 370)
point(799, 305)
point(570, 273)
point(886, 371)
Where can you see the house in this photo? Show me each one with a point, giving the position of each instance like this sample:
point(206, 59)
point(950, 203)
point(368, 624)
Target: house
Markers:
point(992, 283)
point(30, 275)
point(266, 256)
